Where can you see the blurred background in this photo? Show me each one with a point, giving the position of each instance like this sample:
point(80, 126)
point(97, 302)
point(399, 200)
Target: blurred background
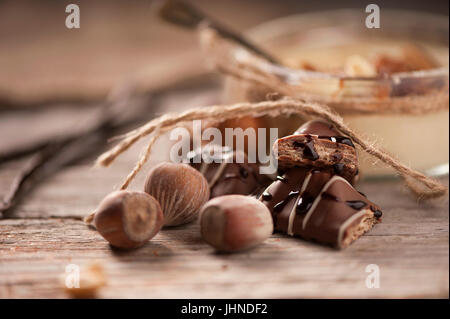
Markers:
point(42, 61)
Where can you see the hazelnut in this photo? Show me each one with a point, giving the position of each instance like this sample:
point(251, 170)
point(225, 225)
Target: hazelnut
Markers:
point(235, 222)
point(180, 189)
point(128, 219)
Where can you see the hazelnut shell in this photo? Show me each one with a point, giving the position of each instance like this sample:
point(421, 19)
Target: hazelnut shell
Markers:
point(128, 219)
point(235, 222)
point(180, 189)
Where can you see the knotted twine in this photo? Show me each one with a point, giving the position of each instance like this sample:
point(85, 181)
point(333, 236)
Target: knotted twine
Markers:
point(422, 186)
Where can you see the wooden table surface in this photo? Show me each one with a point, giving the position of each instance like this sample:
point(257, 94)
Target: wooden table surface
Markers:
point(410, 246)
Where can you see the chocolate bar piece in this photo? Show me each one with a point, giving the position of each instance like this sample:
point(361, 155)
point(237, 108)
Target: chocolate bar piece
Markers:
point(319, 206)
point(318, 144)
point(225, 175)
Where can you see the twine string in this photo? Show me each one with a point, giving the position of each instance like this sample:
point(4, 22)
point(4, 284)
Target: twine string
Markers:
point(422, 186)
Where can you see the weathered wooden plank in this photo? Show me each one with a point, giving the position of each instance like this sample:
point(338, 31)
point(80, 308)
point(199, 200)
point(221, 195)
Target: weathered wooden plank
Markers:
point(60, 195)
point(410, 249)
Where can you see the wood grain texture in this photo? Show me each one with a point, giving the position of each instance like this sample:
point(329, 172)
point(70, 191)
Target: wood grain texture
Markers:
point(411, 245)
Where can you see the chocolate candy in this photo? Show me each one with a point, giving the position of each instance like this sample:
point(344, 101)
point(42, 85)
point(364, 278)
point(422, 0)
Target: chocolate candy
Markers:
point(319, 206)
point(225, 176)
point(318, 144)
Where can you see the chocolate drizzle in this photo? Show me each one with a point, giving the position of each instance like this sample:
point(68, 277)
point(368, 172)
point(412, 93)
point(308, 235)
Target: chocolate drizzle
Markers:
point(338, 139)
point(304, 204)
point(282, 179)
point(224, 175)
point(317, 143)
point(356, 204)
point(243, 172)
point(279, 206)
point(319, 203)
point(324, 130)
point(376, 212)
point(266, 196)
point(316, 205)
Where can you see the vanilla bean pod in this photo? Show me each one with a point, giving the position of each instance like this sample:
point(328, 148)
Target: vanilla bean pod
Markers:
point(53, 155)
point(50, 156)
point(22, 151)
point(51, 159)
point(118, 112)
point(23, 181)
point(132, 114)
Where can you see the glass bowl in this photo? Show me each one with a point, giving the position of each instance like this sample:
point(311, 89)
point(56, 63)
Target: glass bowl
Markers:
point(406, 113)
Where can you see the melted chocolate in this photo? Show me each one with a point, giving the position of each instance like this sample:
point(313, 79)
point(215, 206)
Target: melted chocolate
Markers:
point(304, 204)
point(224, 175)
point(324, 130)
point(356, 204)
point(376, 212)
point(279, 192)
point(336, 205)
point(279, 206)
point(266, 196)
point(243, 172)
point(345, 140)
point(282, 179)
point(338, 139)
point(301, 148)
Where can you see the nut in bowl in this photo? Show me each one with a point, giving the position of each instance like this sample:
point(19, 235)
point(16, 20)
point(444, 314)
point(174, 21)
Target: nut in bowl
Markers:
point(383, 82)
